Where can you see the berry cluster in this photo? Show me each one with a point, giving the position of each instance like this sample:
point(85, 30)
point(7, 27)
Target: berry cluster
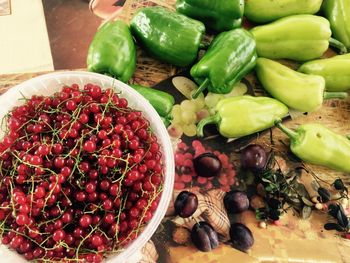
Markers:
point(186, 176)
point(81, 174)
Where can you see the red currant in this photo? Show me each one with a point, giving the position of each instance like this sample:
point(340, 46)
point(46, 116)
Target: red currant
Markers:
point(22, 219)
point(85, 221)
point(89, 146)
point(59, 235)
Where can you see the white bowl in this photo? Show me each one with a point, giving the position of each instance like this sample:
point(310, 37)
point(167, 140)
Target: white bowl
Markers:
point(50, 83)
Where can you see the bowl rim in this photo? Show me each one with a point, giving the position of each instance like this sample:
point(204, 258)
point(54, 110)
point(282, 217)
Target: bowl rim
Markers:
point(163, 137)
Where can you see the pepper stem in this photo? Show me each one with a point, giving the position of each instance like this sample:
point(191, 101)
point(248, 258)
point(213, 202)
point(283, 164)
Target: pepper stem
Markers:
point(202, 87)
point(335, 95)
point(290, 133)
point(348, 137)
point(204, 46)
point(338, 45)
point(209, 120)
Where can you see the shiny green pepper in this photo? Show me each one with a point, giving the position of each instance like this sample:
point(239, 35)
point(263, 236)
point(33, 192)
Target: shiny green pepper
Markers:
point(297, 90)
point(168, 36)
point(161, 101)
point(299, 37)
point(263, 11)
point(335, 70)
point(338, 14)
point(230, 57)
point(220, 15)
point(244, 115)
point(318, 145)
point(112, 51)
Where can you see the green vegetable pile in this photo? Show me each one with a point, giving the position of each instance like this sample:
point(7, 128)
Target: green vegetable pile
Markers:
point(296, 30)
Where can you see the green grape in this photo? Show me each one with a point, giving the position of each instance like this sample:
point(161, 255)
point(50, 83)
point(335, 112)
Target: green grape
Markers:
point(212, 99)
point(175, 130)
point(176, 111)
point(188, 106)
point(212, 111)
point(178, 121)
point(190, 130)
point(188, 117)
point(238, 90)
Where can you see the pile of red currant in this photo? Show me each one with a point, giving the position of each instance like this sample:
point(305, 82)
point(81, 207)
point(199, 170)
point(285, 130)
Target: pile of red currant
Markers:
point(81, 174)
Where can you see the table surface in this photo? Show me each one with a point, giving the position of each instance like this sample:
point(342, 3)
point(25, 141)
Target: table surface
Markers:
point(295, 240)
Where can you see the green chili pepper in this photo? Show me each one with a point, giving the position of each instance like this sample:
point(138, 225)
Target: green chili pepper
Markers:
point(168, 36)
point(228, 59)
point(318, 145)
point(335, 70)
point(299, 37)
point(218, 15)
point(112, 51)
point(244, 115)
point(297, 90)
point(161, 101)
point(338, 14)
point(263, 11)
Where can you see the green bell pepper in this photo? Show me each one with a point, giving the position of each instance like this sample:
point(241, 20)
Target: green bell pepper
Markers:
point(244, 115)
point(297, 90)
point(263, 11)
point(318, 145)
point(338, 14)
point(112, 51)
point(168, 36)
point(299, 37)
point(161, 101)
point(220, 16)
point(228, 59)
point(335, 70)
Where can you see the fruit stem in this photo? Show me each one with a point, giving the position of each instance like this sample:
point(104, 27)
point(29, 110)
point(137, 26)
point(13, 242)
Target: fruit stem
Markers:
point(215, 119)
point(290, 133)
point(335, 95)
point(338, 45)
point(202, 87)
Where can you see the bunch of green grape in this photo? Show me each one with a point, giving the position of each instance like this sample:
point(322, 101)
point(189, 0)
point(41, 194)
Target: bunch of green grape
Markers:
point(186, 115)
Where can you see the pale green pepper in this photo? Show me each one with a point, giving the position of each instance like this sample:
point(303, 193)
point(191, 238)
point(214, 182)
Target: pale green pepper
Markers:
point(335, 70)
point(299, 37)
point(297, 90)
point(315, 144)
point(244, 115)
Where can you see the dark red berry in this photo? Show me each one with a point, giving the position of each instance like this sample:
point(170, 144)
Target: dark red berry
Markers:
point(59, 235)
point(85, 221)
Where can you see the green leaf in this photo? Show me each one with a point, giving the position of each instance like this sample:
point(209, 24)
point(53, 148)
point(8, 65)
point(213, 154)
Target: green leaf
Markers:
point(266, 180)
